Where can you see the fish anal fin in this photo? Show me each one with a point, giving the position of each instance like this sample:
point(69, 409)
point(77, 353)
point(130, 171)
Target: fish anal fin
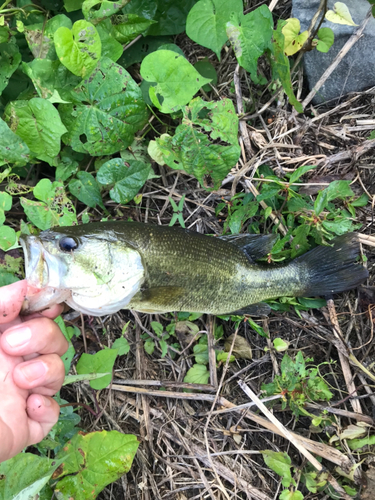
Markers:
point(259, 309)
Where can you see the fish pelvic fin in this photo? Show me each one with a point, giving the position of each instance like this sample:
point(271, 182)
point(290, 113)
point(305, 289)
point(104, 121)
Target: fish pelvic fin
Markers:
point(332, 269)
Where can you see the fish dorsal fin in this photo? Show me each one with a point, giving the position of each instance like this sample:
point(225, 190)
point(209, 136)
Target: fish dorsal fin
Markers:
point(255, 246)
point(259, 309)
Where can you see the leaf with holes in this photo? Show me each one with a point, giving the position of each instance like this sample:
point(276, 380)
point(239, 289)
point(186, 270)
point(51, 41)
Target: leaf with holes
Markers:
point(80, 48)
point(37, 122)
point(176, 79)
point(96, 11)
point(126, 178)
point(205, 23)
point(107, 110)
point(250, 37)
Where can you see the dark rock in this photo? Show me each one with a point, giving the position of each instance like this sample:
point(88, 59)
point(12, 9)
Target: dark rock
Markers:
point(356, 71)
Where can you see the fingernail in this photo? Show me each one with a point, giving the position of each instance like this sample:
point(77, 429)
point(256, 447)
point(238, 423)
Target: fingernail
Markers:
point(19, 336)
point(33, 371)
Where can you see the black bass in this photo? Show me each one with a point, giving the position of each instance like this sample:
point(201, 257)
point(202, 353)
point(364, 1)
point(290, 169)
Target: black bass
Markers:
point(101, 268)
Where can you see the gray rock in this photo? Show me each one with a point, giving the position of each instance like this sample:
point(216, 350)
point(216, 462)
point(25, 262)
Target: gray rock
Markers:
point(356, 71)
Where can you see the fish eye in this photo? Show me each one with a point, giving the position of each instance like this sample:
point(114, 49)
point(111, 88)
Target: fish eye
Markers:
point(68, 244)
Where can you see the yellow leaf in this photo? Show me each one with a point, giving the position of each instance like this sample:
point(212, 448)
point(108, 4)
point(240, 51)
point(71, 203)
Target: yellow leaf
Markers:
point(293, 40)
point(340, 15)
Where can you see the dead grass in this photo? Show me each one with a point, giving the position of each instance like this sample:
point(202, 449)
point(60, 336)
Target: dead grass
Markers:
point(205, 445)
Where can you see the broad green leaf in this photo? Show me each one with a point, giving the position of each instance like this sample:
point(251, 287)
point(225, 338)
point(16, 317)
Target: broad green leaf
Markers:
point(5, 201)
point(126, 178)
point(174, 48)
point(68, 163)
point(8, 237)
point(7, 279)
point(149, 346)
point(299, 172)
point(96, 11)
point(40, 37)
point(339, 189)
point(10, 59)
point(340, 15)
point(101, 362)
point(170, 15)
point(280, 345)
point(293, 39)
point(92, 461)
point(86, 189)
point(206, 69)
point(72, 5)
point(280, 463)
point(38, 123)
point(79, 49)
point(122, 346)
point(338, 226)
point(250, 37)
point(355, 444)
point(39, 214)
point(12, 148)
point(280, 66)
point(23, 476)
point(110, 46)
point(300, 243)
point(5, 34)
point(325, 40)
point(291, 495)
point(206, 21)
point(176, 79)
point(198, 374)
point(107, 111)
point(361, 201)
point(129, 26)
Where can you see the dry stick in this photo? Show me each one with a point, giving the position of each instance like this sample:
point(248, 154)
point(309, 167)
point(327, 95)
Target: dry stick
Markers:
point(211, 350)
point(366, 239)
point(354, 152)
point(288, 435)
point(356, 405)
point(327, 452)
point(349, 44)
point(243, 125)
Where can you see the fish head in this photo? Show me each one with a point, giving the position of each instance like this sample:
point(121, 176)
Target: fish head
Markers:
point(94, 273)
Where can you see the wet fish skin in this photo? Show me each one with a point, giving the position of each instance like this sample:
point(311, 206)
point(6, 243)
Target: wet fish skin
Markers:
point(186, 271)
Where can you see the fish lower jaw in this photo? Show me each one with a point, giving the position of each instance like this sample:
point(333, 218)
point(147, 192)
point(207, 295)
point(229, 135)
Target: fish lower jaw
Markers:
point(38, 299)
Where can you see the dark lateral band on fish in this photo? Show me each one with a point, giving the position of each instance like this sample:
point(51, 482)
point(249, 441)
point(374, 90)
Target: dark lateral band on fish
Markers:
point(100, 268)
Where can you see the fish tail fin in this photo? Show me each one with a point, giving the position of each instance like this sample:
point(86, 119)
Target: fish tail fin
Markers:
point(332, 269)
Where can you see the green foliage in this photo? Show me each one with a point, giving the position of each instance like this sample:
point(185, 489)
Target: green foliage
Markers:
point(197, 374)
point(281, 464)
point(100, 362)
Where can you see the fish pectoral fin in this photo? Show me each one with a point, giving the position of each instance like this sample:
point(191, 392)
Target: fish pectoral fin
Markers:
point(255, 246)
point(260, 309)
point(160, 298)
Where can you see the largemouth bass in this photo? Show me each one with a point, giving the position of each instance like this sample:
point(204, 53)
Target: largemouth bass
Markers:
point(101, 268)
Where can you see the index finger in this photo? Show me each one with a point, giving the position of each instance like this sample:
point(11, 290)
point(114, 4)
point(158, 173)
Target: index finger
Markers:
point(11, 299)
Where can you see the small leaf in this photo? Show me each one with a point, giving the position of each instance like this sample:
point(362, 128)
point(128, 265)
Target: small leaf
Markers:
point(86, 189)
point(176, 79)
point(97, 10)
point(321, 202)
point(5, 201)
point(361, 201)
point(280, 345)
point(326, 38)
point(280, 463)
point(355, 444)
point(129, 26)
point(291, 495)
point(198, 374)
point(101, 362)
point(340, 15)
point(205, 23)
point(241, 348)
point(299, 172)
point(79, 49)
point(293, 39)
point(149, 346)
point(122, 346)
point(8, 238)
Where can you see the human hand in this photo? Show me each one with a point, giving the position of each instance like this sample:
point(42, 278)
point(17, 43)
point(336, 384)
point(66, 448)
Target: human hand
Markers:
point(31, 371)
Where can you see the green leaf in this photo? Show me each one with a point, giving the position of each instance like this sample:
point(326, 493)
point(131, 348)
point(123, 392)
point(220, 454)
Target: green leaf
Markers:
point(110, 46)
point(205, 23)
point(321, 202)
point(149, 346)
point(141, 48)
point(72, 5)
point(223, 356)
point(250, 36)
point(338, 189)
point(361, 201)
point(170, 16)
point(201, 354)
point(340, 15)
point(325, 40)
point(280, 345)
point(293, 39)
point(122, 346)
point(291, 495)
point(194, 147)
point(23, 476)
point(207, 70)
point(355, 444)
point(176, 79)
point(280, 66)
point(126, 178)
point(312, 303)
point(5, 201)
point(37, 122)
point(39, 214)
point(338, 226)
point(79, 49)
point(92, 461)
point(299, 172)
point(97, 10)
point(8, 238)
point(5, 34)
point(101, 362)
point(12, 148)
point(10, 59)
point(280, 463)
point(107, 110)
point(129, 26)
point(198, 374)
point(86, 189)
